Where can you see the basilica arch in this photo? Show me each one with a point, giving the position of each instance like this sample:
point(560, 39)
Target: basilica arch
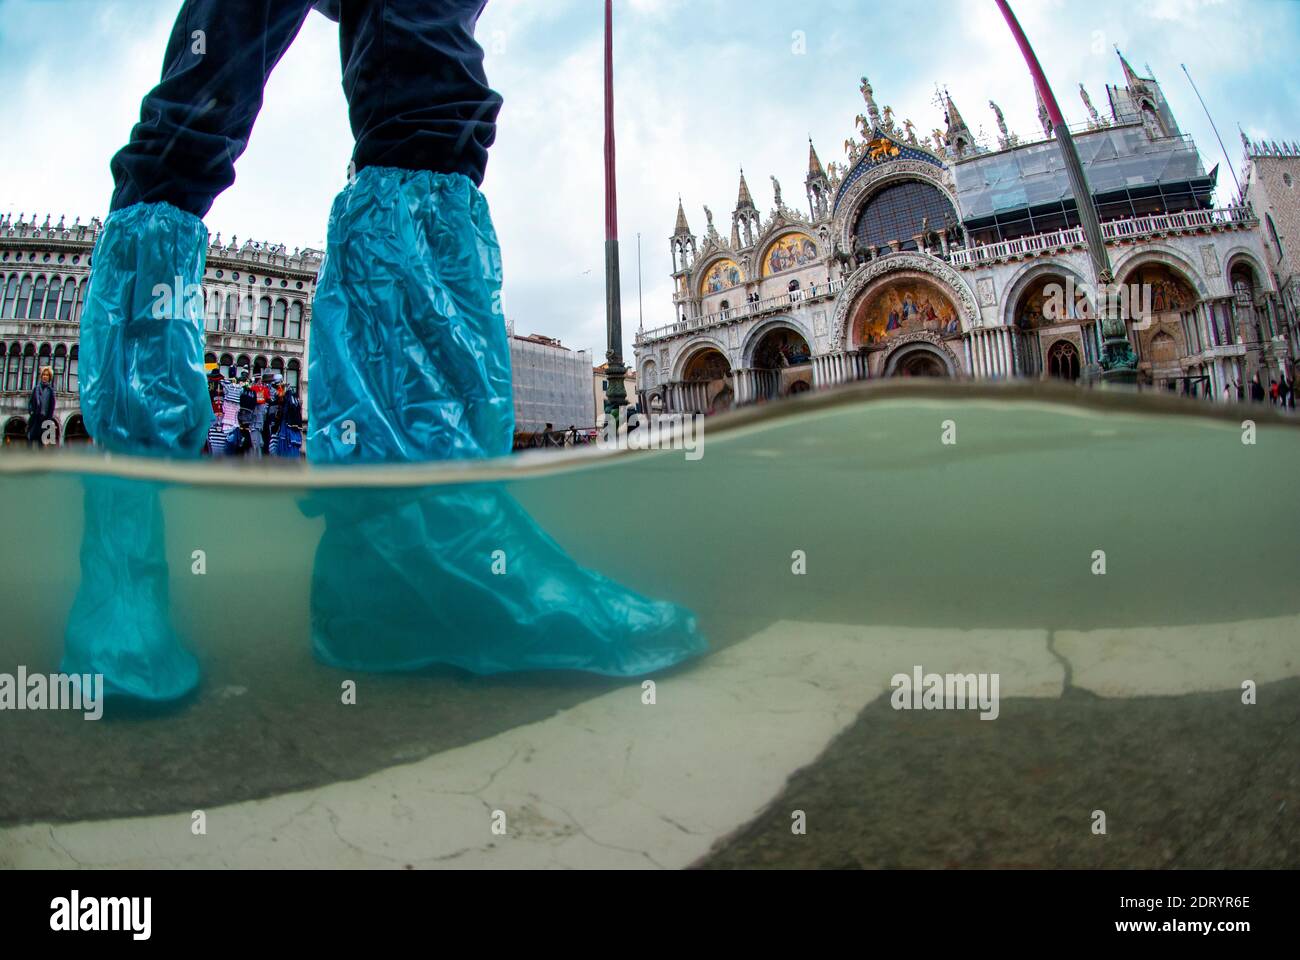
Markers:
point(750, 347)
point(920, 355)
point(1159, 291)
point(776, 358)
point(885, 271)
point(1030, 276)
point(1242, 257)
point(1055, 329)
point(694, 348)
point(851, 204)
point(704, 382)
point(1161, 253)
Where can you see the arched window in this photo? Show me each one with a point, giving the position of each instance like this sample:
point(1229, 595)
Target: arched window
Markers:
point(295, 320)
point(38, 299)
point(899, 212)
point(52, 299)
point(24, 297)
point(277, 318)
point(67, 300)
point(15, 365)
point(81, 300)
point(231, 314)
point(277, 365)
point(246, 316)
point(213, 319)
point(1063, 360)
point(46, 359)
point(264, 317)
point(291, 375)
point(60, 369)
point(29, 368)
point(227, 361)
point(244, 362)
point(259, 365)
point(11, 295)
point(73, 385)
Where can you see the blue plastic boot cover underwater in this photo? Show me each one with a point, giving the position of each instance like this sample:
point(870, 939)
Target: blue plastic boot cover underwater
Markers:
point(119, 624)
point(409, 578)
point(143, 388)
point(410, 362)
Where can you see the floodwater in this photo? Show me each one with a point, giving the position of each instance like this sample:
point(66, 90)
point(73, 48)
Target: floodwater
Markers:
point(1119, 569)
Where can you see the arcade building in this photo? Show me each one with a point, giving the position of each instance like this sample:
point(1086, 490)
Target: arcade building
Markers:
point(257, 314)
point(942, 256)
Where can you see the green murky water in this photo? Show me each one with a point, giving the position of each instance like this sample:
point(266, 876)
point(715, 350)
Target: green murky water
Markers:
point(893, 528)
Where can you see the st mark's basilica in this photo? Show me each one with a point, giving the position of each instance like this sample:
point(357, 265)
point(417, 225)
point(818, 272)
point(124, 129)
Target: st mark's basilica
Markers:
point(942, 256)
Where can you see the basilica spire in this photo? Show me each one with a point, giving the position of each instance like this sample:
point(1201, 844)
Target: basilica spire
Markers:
point(818, 185)
point(683, 229)
point(1131, 79)
point(959, 139)
point(814, 162)
point(745, 218)
point(1043, 117)
point(744, 200)
point(682, 242)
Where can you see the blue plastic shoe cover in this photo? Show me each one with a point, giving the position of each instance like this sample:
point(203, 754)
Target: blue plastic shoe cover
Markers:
point(410, 362)
point(463, 576)
point(143, 387)
point(119, 625)
point(409, 356)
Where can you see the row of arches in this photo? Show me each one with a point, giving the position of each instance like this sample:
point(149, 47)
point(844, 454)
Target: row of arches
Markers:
point(40, 297)
point(71, 429)
point(31, 296)
point(20, 365)
point(291, 369)
point(1170, 319)
point(263, 317)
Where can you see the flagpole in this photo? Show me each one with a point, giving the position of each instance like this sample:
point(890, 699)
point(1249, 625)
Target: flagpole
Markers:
point(1118, 362)
point(615, 392)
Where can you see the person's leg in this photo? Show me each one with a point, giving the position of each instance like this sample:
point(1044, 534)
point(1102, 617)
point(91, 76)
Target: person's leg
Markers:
point(418, 97)
point(143, 384)
point(410, 361)
point(196, 122)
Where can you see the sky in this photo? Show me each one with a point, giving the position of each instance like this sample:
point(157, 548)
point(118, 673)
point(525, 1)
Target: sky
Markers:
point(702, 88)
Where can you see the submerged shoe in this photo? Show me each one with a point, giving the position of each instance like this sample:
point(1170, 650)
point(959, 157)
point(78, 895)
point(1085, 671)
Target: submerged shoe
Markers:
point(463, 576)
point(410, 362)
point(143, 386)
point(143, 392)
point(119, 623)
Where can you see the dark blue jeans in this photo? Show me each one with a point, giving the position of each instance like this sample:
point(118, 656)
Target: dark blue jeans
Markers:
point(412, 73)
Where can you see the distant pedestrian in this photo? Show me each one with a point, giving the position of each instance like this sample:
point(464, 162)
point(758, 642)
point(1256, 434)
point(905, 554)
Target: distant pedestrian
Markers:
point(40, 410)
point(1257, 393)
